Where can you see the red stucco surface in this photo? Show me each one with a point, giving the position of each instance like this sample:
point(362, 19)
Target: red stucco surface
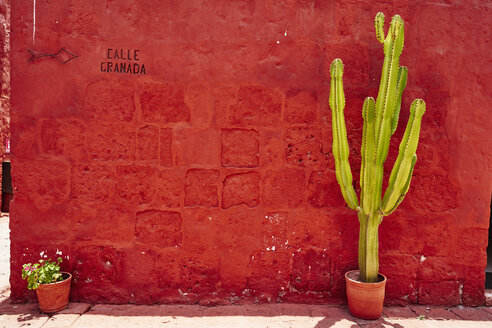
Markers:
point(210, 177)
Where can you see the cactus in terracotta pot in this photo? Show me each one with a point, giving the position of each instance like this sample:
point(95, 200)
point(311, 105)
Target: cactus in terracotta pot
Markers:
point(380, 122)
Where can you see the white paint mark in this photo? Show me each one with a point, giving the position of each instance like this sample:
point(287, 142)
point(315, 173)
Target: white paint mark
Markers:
point(143, 252)
point(33, 22)
point(285, 33)
point(278, 42)
point(58, 252)
point(422, 258)
point(41, 254)
point(273, 248)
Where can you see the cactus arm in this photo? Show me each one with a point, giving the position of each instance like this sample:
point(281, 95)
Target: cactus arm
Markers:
point(340, 142)
point(402, 83)
point(368, 151)
point(386, 102)
point(404, 190)
point(401, 173)
point(379, 24)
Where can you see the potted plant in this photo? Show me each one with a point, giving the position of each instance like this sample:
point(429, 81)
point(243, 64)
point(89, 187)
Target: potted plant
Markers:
point(365, 287)
point(52, 286)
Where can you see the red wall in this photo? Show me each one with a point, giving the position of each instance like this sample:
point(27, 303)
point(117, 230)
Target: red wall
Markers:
point(210, 177)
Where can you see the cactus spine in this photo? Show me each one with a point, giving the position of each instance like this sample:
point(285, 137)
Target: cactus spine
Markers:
point(380, 122)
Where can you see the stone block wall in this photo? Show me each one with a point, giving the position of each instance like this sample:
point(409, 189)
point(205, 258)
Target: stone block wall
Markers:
point(184, 155)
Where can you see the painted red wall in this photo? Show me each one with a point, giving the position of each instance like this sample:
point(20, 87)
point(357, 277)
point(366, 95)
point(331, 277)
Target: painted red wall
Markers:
point(210, 177)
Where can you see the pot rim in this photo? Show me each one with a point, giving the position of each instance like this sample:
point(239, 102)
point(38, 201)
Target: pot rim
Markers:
point(59, 282)
point(364, 283)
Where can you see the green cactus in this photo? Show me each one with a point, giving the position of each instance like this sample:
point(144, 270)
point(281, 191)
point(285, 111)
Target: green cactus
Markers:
point(380, 122)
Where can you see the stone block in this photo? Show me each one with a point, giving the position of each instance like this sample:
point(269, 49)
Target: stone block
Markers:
point(256, 106)
point(201, 188)
point(201, 230)
point(272, 148)
point(148, 143)
point(270, 271)
point(234, 269)
point(158, 228)
point(321, 229)
point(436, 193)
point(135, 184)
point(165, 146)
point(436, 269)
point(198, 97)
point(275, 230)
point(224, 96)
point(110, 142)
point(396, 264)
point(301, 107)
point(439, 293)
point(97, 223)
point(163, 103)
point(303, 147)
point(91, 183)
point(199, 274)
point(96, 265)
point(284, 187)
point(240, 148)
point(135, 264)
point(324, 190)
point(169, 187)
point(109, 100)
point(240, 229)
point(401, 290)
point(167, 266)
point(311, 271)
point(43, 182)
point(192, 146)
point(474, 282)
point(27, 137)
point(60, 137)
point(241, 188)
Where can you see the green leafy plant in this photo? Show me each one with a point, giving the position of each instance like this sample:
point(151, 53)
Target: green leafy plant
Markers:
point(44, 272)
point(380, 122)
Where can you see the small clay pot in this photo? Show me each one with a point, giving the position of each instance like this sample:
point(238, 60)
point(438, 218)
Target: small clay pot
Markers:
point(54, 297)
point(365, 299)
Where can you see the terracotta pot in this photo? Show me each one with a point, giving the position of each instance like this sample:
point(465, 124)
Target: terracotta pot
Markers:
point(54, 297)
point(365, 299)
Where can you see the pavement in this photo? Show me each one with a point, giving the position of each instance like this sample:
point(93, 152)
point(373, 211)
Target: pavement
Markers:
point(81, 315)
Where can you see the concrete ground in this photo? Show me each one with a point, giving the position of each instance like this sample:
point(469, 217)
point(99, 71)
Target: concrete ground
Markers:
point(243, 316)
